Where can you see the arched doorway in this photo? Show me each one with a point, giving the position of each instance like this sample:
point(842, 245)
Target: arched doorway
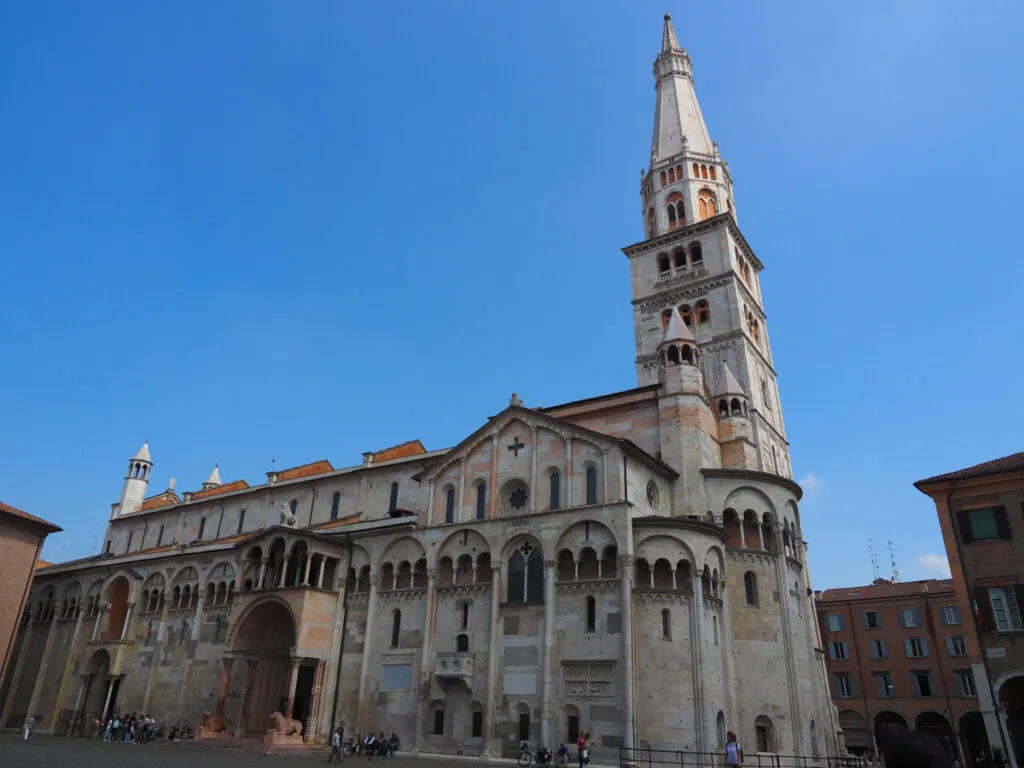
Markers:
point(938, 727)
point(1011, 698)
point(973, 738)
point(856, 731)
point(97, 683)
point(265, 639)
point(888, 722)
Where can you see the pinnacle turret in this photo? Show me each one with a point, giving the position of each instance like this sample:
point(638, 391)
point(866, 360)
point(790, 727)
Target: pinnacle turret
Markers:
point(669, 42)
point(213, 480)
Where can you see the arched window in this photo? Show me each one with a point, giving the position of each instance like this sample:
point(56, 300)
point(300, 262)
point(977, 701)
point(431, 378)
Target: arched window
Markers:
point(481, 501)
point(711, 172)
point(293, 505)
point(696, 256)
point(664, 267)
point(672, 216)
point(666, 315)
point(449, 506)
point(160, 536)
point(465, 615)
point(766, 394)
point(516, 579)
point(535, 577)
point(714, 628)
point(591, 485)
point(696, 171)
point(679, 260)
point(666, 624)
point(393, 503)
point(663, 179)
point(679, 172)
point(462, 643)
point(591, 614)
point(720, 728)
point(396, 629)
point(703, 312)
point(335, 503)
point(706, 204)
point(723, 408)
point(671, 175)
point(202, 527)
point(556, 492)
point(734, 407)
point(687, 314)
point(652, 223)
point(750, 587)
point(673, 355)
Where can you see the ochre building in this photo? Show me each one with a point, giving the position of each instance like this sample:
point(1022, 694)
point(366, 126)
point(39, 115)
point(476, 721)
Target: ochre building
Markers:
point(632, 563)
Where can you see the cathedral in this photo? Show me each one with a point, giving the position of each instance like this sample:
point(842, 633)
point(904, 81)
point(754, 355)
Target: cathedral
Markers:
point(631, 564)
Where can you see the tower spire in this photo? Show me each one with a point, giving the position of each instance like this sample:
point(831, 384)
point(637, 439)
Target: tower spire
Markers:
point(669, 42)
point(678, 122)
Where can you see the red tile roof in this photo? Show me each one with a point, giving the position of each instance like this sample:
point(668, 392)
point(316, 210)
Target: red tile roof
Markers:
point(1013, 462)
point(43, 564)
point(15, 512)
point(165, 499)
point(339, 523)
point(888, 589)
point(234, 485)
point(305, 470)
point(400, 451)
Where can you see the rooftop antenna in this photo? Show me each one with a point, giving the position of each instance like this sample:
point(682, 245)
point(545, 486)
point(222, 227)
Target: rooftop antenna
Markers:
point(892, 561)
point(874, 559)
point(62, 545)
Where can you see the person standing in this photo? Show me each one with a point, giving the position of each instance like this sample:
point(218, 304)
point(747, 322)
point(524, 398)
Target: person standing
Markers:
point(337, 740)
point(733, 751)
point(30, 726)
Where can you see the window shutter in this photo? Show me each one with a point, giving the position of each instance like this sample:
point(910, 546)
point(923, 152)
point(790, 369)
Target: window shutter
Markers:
point(949, 645)
point(964, 519)
point(924, 647)
point(1002, 523)
point(983, 605)
point(1018, 592)
point(931, 686)
point(907, 648)
point(903, 618)
point(914, 685)
point(959, 684)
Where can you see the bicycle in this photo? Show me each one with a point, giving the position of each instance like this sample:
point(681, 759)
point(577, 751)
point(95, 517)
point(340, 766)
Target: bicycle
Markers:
point(526, 757)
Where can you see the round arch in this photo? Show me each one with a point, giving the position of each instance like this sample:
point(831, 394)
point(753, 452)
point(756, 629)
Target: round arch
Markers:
point(937, 726)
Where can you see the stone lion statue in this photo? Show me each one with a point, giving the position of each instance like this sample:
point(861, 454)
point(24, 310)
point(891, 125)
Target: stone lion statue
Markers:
point(283, 725)
point(287, 518)
point(215, 722)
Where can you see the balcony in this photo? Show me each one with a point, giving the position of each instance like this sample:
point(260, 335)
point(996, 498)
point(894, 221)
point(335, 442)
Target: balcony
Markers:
point(453, 666)
point(684, 273)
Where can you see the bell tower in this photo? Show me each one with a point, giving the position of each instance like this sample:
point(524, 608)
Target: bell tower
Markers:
point(135, 483)
point(695, 263)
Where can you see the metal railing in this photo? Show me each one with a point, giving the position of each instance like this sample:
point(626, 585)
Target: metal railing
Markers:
point(650, 758)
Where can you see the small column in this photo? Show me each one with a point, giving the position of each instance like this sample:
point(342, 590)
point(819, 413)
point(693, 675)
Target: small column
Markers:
point(320, 573)
point(547, 700)
point(313, 721)
point(569, 501)
point(106, 701)
point(40, 672)
point(364, 668)
point(533, 469)
point(26, 644)
point(225, 680)
point(197, 622)
point(626, 580)
point(284, 571)
point(426, 668)
point(493, 652)
point(743, 532)
point(462, 489)
point(127, 621)
point(492, 492)
point(263, 572)
point(430, 501)
point(760, 533)
point(604, 475)
point(309, 563)
point(293, 683)
point(697, 643)
point(96, 625)
point(243, 709)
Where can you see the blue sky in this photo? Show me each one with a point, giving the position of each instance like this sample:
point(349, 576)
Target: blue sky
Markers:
point(266, 230)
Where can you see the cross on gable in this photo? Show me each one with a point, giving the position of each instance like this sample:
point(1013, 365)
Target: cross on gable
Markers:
point(516, 446)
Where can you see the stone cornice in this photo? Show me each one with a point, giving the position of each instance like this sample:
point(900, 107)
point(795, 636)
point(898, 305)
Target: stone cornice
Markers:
point(750, 556)
point(656, 521)
point(401, 595)
point(761, 420)
point(661, 597)
point(695, 288)
point(587, 587)
point(671, 237)
point(464, 590)
point(761, 477)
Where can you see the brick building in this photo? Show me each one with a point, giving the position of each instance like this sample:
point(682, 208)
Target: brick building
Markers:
point(902, 653)
point(21, 541)
point(981, 512)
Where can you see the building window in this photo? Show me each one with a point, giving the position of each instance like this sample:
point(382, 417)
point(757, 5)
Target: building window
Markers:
point(481, 501)
point(764, 734)
point(916, 647)
point(838, 650)
point(666, 624)
point(720, 727)
point(131, 536)
point(1005, 609)
point(393, 502)
point(834, 622)
point(872, 620)
point(438, 722)
point(910, 617)
point(516, 578)
point(957, 645)
point(843, 684)
point(293, 505)
point(951, 615)
point(750, 587)
point(106, 548)
point(535, 577)
point(449, 506)
point(526, 576)
point(478, 724)
point(462, 643)
point(884, 686)
point(706, 204)
point(465, 616)
point(591, 485)
point(714, 628)
point(964, 683)
point(878, 650)
point(160, 534)
point(573, 732)
point(241, 521)
point(556, 494)
point(703, 312)
point(396, 629)
point(335, 504)
point(923, 684)
point(983, 524)
point(591, 614)
point(524, 723)
point(202, 527)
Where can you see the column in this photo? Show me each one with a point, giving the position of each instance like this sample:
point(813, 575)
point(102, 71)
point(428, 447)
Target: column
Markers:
point(626, 598)
point(533, 469)
point(293, 682)
point(493, 652)
point(364, 668)
point(225, 681)
point(127, 621)
point(106, 701)
point(41, 671)
point(179, 703)
point(263, 572)
point(320, 573)
point(26, 643)
point(100, 610)
point(243, 708)
point(796, 717)
point(161, 639)
point(426, 667)
point(760, 533)
point(309, 562)
point(430, 501)
point(197, 621)
point(78, 703)
point(697, 643)
point(743, 531)
point(284, 571)
point(462, 489)
point(315, 704)
point(62, 685)
point(547, 700)
point(569, 501)
point(492, 491)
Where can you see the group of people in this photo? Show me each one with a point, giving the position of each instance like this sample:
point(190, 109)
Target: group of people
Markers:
point(372, 745)
point(136, 729)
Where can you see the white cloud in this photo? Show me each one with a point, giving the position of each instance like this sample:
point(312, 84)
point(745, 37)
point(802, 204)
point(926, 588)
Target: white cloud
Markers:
point(811, 482)
point(933, 565)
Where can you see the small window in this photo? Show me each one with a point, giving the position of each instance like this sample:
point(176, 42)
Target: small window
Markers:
point(916, 647)
point(671, 216)
point(964, 683)
point(591, 485)
point(872, 620)
point(910, 618)
point(957, 645)
point(396, 629)
point(923, 684)
point(465, 616)
point(664, 266)
point(573, 732)
point(478, 724)
point(524, 726)
point(666, 624)
point(438, 722)
point(202, 527)
point(834, 622)
point(481, 501)
point(843, 685)
point(160, 533)
point(241, 522)
point(750, 587)
point(335, 504)
point(516, 578)
point(131, 536)
point(703, 313)
point(951, 615)
point(293, 505)
point(838, 650)
point(449, 506)
point(462, 643)
point(591, 614)
point(556, 494)
point(393, 501)
point(878, 650)
point(884, 686)
point(106, 548)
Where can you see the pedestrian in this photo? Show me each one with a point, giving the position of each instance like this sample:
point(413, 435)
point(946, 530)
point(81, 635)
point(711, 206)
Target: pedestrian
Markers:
point(337, 739)
point(733, 751)
point(30, 726)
